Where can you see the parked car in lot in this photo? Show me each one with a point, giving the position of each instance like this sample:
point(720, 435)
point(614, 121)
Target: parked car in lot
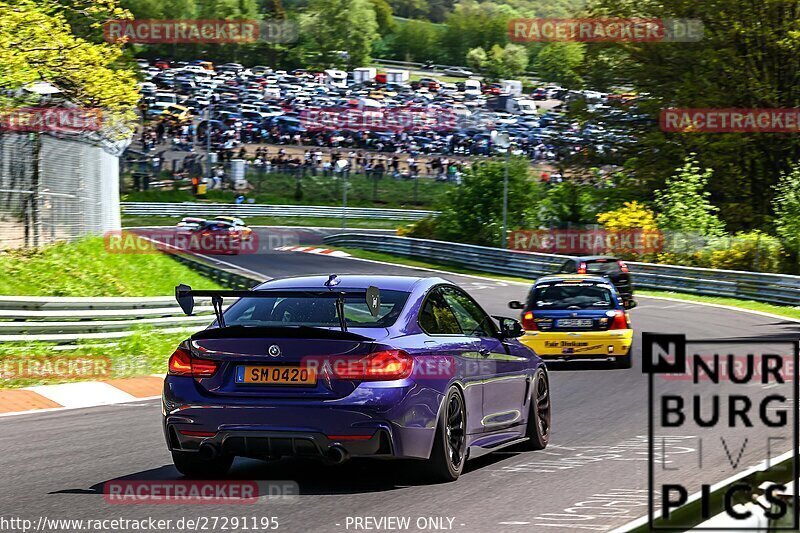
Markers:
point(576, 317)
point(360, 366)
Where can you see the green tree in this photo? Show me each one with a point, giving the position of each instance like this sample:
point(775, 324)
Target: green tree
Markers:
point(476, 59)
point(415, 40)
point(508, 62)
point(472, 25)
point(473, 212)
point(684, 203)
point(334, 26)
point(567, 203)
point(787, 208)
point(747, 56)
point(560, 62)
point(37, 44)
point(384, 17)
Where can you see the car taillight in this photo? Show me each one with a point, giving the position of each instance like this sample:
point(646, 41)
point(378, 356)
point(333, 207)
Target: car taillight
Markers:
point(582, 268)
point(528, 323)
point(620, 320)
point(379, 366)
point(181, 363)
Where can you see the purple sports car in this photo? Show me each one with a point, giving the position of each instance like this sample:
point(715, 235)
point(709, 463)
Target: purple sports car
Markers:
point(353, 366)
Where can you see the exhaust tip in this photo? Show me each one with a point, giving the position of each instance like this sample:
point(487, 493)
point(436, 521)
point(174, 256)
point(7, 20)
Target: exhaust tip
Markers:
point(337, 454)
point(208, 450)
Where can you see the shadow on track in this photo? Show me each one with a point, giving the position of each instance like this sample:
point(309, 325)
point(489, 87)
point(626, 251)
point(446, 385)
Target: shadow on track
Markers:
point(353, 477)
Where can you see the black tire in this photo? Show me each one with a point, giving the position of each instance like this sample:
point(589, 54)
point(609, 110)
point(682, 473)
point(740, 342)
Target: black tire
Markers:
point(538, 429)
point(449, 451)
point(626, 361)
point(623, 362)
point(192, 466)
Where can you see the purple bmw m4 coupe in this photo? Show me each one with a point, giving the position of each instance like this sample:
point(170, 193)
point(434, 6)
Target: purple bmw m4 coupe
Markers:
point(334, 367)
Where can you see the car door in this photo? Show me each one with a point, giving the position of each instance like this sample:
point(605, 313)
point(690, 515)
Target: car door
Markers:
point(445, 338)
point(506, 371)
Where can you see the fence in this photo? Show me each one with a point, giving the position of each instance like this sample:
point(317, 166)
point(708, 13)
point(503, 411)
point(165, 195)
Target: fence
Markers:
point(159, 209)
point(72, 320)
point(780, 470)
point(54, 188)
point(769, 288)
point(425, 66)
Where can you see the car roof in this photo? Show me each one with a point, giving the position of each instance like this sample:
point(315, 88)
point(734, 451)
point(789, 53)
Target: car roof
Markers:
point(354, 281)
point(571, 277)
point(594, 257)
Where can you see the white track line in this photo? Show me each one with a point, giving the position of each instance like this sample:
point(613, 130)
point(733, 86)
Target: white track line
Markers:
point(51, 409)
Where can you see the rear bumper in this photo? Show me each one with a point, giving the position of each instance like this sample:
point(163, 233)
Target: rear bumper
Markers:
point(380, 420)
point(275, 444)
point(579, 345)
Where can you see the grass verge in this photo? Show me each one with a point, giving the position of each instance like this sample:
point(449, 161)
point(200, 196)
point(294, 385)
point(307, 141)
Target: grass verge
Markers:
point(780, 310)
point(84, 268)
point(145, 352)
point(281, 189)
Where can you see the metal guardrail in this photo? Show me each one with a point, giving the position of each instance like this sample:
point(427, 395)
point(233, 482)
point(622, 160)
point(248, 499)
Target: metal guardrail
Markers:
point(779, 470)
point(71, 320)
point(163, 209)
point(778, 289)
point(432, 67)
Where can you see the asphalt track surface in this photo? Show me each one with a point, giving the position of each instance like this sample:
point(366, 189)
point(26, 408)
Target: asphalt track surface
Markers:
point(592, 477)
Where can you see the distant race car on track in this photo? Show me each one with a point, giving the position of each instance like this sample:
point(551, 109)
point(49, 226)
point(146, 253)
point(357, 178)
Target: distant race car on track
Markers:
point(601, 265)
point(238, 223)
point(577, 317)
point(334, 367)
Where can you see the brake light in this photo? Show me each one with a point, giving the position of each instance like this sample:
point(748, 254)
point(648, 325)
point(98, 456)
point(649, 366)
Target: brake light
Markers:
point(622, 266)
point(349, 437)
point(620, 320)
point(181, 363)
point(197, 433)
point(582, 268)
point(528, 323)
point(379, 366)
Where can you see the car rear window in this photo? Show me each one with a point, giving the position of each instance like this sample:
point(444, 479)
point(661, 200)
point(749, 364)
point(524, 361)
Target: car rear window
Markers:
point(315, 311)
point(564, 296)
point(602, 267)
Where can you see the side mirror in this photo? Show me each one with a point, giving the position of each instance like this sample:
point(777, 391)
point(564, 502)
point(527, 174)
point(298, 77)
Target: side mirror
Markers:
point(630, 304)
point(515, 304)
point(510, 328)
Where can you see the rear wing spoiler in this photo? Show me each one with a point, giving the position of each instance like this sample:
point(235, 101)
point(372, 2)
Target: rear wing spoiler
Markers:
point(185, 296)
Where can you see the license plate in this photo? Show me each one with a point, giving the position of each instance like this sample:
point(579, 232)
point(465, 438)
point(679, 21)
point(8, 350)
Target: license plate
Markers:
point(276, 375)
point(574, 323)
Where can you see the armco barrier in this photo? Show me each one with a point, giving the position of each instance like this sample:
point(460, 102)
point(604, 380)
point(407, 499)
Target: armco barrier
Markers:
point(71, 320)
point(197, 209)
point(769, 288)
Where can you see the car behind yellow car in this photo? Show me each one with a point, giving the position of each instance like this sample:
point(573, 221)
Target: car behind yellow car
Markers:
point(577, 317)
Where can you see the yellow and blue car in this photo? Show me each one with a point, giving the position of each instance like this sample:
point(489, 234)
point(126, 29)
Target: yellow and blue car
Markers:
point(577, 317)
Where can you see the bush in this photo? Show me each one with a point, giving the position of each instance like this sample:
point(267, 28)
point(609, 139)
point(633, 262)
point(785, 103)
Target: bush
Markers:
point(472, 213)
point(632, 215)
point(753, 250)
